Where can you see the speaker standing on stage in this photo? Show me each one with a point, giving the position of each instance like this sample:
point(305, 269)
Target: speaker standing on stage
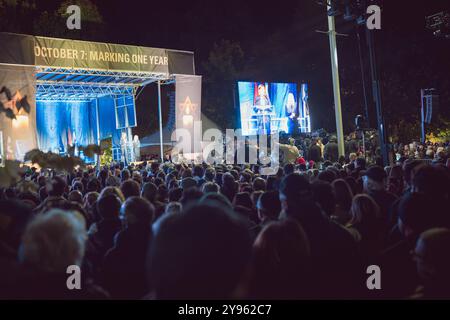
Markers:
point(291, 112)
point(136, 148)
point(262, 110)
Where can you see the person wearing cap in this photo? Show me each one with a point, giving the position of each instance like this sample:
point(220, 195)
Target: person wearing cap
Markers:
point(374, 181)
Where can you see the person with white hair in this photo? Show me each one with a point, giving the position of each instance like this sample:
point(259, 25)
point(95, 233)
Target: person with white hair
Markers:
point(50, 245)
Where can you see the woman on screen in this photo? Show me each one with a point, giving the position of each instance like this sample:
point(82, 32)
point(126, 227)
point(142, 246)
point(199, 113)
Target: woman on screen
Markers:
point(291, 112)
point(262, 111)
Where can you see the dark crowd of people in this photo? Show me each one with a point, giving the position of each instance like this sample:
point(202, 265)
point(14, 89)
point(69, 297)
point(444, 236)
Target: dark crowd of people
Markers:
point(185, 231)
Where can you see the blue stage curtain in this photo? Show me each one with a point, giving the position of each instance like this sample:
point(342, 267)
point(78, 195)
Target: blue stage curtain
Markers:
point(108, 120)
point(60, 123)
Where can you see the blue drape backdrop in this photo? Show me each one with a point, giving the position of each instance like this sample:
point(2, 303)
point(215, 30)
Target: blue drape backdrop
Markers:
point(60, 123)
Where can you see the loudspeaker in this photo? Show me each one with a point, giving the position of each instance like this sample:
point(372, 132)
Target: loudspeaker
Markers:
point(430, 105)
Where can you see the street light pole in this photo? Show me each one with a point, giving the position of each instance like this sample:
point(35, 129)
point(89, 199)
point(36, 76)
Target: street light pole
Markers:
point(336, 85)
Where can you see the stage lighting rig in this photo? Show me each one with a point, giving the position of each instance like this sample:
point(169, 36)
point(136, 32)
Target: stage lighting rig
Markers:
point(439, 23)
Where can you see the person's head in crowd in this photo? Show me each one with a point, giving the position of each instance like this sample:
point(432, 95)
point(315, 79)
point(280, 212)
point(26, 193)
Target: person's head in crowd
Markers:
point(268, 206)
point(90, 199)
point(327, 176)
point(137, 212)
point(374, 179)
point(409, 168)
point(281, 259)
point(246, 187)
point(198, 171)
point(259, 184)
point(209, 174)
point(352, 157)
point(219, 198)
point(364, 212)
point(161, 175)
point(163, 193)
point(229, 183)
point(54, 241)
point(175, 194)
point(112, 181)
point(296, 193)
point(112, 190)
point(103, 174)
point(360, 163)
point(78, 185)
point(93, 185)
point(149, 191)
point(245, 177)
point(343, 195)
point(210, 187)
point(243, 199)
point(75, 196)
point(235, 174)
point(417, 212)
point(108, 207)
point(137, 177)
point(396, 172)
point(56, 186)
point(130, 188)
point(173, 208)
point(191, 195)
point(125, 175)
point(158, 182)
point(432, 262)
point(188, 183)
point(208, 250)
point(30, 198)
point(187, 173)
point(433, 181)
point(14, 216)
point(173, 184)
point(272, 183)
point(324, 196)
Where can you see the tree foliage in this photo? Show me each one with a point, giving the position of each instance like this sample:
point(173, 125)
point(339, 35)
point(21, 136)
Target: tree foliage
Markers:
point(220, 73)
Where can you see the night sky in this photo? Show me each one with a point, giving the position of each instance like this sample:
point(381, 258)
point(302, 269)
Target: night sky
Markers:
point(280, 42)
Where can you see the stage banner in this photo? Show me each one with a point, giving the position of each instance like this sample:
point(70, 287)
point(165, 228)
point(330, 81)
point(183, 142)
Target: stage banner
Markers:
point(17, 110)
point(21, 49)
point(188, 96)
point(102, 56)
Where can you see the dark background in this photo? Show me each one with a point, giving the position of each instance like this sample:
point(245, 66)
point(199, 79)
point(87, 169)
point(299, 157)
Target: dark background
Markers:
point(270, 41)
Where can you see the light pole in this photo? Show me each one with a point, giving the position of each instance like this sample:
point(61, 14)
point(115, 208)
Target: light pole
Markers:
point(336, 84)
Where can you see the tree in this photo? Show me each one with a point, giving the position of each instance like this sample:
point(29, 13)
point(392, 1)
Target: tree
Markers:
point(220, 74)
point(53, 24)
point(17, 15)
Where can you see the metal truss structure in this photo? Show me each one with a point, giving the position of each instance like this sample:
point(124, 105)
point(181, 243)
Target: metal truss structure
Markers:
point(54, 83)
